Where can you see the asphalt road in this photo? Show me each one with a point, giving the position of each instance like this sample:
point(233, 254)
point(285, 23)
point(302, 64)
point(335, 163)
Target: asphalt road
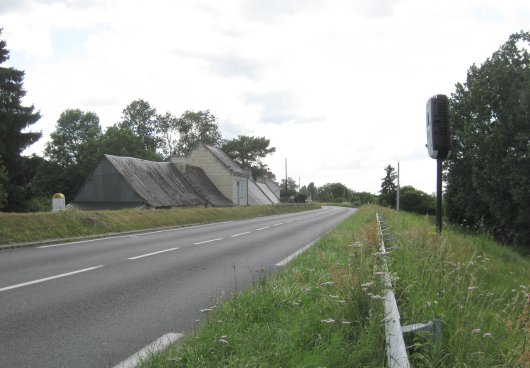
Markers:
point(94, 303)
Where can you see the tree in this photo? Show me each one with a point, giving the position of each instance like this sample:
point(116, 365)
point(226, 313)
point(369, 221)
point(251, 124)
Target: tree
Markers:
point(3, 185)
point(142, 120)
point(197, 127)
point(488, 172)
point(72, 152)
point(74, 141)
point(167, 130)
point(248, 152)
point(334, 192)
point(414, 200)
point(388, 188)
point(122, 142)
point(14, 137)
point(312, 191)
point(291, 189)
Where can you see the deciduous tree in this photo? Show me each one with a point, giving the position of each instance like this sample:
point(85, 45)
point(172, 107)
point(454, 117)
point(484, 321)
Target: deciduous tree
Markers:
point(488, 173)
point(142, 120)
point(197, 127)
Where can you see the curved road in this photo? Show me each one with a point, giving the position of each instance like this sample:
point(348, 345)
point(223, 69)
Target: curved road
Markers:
point(94, 303)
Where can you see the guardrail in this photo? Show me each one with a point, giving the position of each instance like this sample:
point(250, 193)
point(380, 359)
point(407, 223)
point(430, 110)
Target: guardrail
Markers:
point(396, 350)
point(395, 344)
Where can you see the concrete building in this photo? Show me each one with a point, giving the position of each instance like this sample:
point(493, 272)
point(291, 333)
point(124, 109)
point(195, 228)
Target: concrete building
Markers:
point(225, 174)
point(126, 182)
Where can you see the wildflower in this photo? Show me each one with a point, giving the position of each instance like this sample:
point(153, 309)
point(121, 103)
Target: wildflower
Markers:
point(223, 341)
point(471, 288)
point(476, 330)
point(368, 284)
point(334, 296)
point(380, 273)
point(355, 245)
point(329, 320)
point(487, 334)
point(327, 283)
point(346, 322)
point(377, 297)
point(219, 321)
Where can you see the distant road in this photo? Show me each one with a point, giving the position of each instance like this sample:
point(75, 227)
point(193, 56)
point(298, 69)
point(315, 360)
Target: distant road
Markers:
point(94, 303)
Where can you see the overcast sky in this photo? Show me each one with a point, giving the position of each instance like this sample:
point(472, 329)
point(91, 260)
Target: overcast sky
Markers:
point(338, 86)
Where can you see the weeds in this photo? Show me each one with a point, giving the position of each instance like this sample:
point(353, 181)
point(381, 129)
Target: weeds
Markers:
point(325, 308)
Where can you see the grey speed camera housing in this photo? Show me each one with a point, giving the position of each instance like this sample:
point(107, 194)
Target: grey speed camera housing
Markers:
point(438, 130)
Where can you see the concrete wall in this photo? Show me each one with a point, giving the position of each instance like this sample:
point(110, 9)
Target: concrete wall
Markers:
point(107, 185)
point(222, 177)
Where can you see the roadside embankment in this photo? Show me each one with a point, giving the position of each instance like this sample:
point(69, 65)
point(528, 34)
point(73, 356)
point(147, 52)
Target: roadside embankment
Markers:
point(17, 229)
point(325, 309)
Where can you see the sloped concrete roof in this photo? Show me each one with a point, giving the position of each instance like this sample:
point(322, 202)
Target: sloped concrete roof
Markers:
point(268, 192)
point(196, 176)
point(274, 187)
point(157, 184)
point(227, 161)
point(256, 197)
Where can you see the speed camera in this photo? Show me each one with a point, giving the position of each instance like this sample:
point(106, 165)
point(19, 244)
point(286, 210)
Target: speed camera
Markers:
point(438, 131)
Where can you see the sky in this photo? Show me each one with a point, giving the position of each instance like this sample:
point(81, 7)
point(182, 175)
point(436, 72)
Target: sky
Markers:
point(338, 86)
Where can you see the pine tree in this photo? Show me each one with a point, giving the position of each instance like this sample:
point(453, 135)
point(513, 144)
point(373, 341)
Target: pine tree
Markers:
point(14, 119)
point(388, 188)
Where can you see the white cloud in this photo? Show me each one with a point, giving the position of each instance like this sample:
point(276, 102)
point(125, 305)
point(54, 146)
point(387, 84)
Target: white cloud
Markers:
point(338, 86)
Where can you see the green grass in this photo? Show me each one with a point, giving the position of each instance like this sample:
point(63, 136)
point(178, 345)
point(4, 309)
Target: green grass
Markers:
point(320, 312)
point(37, 227)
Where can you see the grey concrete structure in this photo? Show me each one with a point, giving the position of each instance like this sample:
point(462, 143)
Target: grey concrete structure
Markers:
point(268, 192)
point(256, 197)
point(124, 182)
point(225, 174)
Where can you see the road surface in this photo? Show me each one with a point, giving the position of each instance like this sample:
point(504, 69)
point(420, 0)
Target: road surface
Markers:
point(94, 303)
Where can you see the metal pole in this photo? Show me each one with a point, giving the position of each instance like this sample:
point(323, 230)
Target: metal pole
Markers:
point(397, 205)
point(286, 196)
point(439, 195)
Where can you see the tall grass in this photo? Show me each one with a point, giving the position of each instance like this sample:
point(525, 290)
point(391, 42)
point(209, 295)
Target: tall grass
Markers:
point(314, 313)
point(476, 287)
point(325, 309)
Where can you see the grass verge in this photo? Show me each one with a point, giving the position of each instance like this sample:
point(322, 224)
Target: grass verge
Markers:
point(36, 227)
point(325, 309)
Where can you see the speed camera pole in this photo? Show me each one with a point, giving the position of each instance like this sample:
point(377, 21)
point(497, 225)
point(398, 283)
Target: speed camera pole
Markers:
point(438, 144)
point(439, 195)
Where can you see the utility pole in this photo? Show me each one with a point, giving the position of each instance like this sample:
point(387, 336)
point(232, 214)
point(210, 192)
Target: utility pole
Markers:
point(397, 206)
point(286, 195)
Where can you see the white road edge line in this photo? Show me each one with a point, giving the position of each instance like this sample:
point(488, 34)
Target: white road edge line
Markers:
point(295, 254)
point(152, 254)
point(236, 235)
point(159, 344)
point(278, 224)
point(49, 278)
point(132, 235)
point(208, 241)
point(263, 228)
